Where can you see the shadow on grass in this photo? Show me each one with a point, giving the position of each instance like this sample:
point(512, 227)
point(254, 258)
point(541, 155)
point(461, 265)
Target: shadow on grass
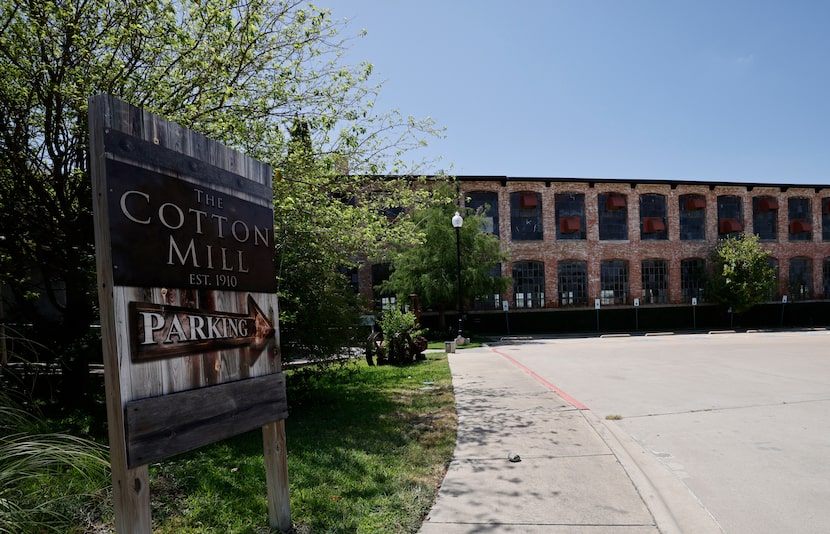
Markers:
point(347, 447)
point(362, 456)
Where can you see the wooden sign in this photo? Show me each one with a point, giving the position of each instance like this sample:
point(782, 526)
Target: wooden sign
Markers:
point(202, 238)
point(159, 331)
point(185, 257)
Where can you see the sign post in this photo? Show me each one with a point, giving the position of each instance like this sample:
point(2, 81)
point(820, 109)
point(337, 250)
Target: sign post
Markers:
point(596, 307)
point(186, 284)
point(694, 314)
point(636, 314)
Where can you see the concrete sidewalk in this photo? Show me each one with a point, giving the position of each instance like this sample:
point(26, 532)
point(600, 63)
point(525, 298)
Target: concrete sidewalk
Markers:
point(576, 474)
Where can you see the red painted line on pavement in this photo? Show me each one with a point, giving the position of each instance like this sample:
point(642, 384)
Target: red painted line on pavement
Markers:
point(567, 398)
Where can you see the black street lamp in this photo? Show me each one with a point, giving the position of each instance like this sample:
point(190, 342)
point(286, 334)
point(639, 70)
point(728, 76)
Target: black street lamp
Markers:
point(457, 221)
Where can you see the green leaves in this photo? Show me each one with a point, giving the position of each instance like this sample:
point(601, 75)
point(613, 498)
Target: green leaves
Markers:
point(43, 475)
point(742, 274)
point(239, 71)
point(430, 268)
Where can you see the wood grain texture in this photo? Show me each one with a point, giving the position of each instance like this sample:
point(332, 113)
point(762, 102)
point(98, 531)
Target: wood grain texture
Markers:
point(131, 487)
point(130, 134)
point(276, 475)
point(159, 427)
point(120, 132)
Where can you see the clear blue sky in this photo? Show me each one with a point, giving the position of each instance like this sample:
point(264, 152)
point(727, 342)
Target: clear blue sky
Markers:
point(716, 90)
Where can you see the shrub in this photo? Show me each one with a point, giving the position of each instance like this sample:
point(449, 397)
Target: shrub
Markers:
point(46, 479)
point(402, 340)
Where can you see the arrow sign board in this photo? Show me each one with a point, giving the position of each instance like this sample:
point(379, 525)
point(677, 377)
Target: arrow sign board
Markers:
point(159, 331)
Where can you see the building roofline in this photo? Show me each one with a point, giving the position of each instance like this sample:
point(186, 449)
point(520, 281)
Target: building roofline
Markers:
point(635, 182)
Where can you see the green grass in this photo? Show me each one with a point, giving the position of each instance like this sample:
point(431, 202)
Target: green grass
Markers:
point(49, 482)
point(367, 449)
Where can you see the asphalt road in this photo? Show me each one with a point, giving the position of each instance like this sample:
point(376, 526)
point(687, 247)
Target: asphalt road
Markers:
point(743, 420)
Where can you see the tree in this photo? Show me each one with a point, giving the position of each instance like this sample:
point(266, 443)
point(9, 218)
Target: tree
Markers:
point(430, 269)
point(324, 225)
point(742, 275)
point(239, 71)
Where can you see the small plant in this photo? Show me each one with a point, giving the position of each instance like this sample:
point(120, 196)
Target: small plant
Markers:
point(394, 320)
point(46, 479)
point(402, 340)
point(614, 417)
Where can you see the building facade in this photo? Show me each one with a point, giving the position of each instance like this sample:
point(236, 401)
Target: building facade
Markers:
point(573, 241)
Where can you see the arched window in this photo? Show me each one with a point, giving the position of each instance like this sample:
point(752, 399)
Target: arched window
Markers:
point(765, 218)
point(612, 210)
point(526, 216)
point(487, 203)
point(573, 283)
point(489, 302)
point(655, 277)
point(825, 219)
point(692, 218)
point(692, 277)
point(653, 222)
point(614, 287)
point(529, 284)
point(380, 273)
point(570, 215)
point(801, 219)
point(801, 278)
point(730, 216)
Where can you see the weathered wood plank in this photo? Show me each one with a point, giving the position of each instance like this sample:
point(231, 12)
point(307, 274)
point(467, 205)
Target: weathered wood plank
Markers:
point(276, 475)
point(125, 147)
point(193, 415)
point(159, 427)
point(131, 487)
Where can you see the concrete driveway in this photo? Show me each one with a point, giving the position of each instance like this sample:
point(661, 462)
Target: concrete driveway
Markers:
point(743, 420)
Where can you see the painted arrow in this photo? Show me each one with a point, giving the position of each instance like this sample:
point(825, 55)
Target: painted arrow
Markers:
point(158, 331)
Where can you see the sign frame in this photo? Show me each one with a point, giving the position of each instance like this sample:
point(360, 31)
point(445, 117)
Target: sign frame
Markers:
point(229, 364)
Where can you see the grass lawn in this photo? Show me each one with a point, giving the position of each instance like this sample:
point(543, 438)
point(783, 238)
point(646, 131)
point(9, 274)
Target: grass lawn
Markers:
point(367, 449)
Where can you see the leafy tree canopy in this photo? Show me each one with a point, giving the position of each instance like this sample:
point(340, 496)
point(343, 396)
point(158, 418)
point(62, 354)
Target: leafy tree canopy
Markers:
point(742, 274)
point(430, 269)
point(243, 72)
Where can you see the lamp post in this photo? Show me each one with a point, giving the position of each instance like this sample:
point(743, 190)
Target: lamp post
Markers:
point(457, 221)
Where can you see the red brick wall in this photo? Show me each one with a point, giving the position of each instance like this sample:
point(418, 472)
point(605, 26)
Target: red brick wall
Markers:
point(634, 250)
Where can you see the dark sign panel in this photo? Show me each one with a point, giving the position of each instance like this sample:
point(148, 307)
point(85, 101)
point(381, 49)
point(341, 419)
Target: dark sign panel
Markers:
point(167, 232)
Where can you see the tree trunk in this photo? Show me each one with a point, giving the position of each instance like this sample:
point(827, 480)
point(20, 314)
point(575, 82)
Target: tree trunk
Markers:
point(442, 317)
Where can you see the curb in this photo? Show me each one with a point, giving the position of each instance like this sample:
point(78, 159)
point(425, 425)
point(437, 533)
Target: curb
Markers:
point(656, 485)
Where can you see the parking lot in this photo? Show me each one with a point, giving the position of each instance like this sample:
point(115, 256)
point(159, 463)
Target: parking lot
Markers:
point(743, 420)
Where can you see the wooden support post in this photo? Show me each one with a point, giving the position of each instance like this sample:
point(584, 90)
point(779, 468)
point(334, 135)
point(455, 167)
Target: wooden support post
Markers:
point(276, 475)
point(130, 487)
point(131, 499)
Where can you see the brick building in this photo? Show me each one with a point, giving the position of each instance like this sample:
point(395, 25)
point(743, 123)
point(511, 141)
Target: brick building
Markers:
point(571, 241)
